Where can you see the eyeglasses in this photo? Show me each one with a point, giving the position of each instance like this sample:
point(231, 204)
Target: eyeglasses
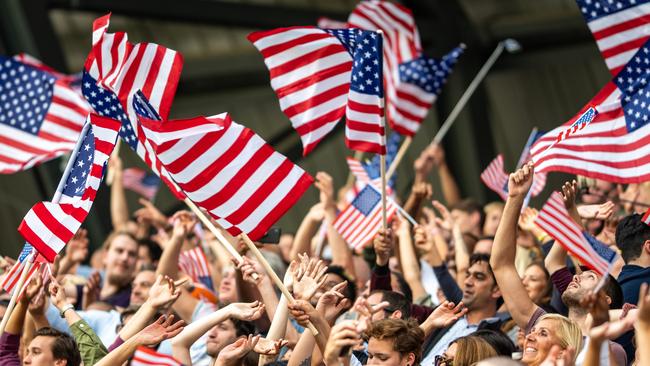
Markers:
point(442, 360)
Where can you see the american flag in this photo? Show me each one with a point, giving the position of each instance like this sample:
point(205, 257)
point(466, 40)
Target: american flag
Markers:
point(370, 171)
point(116, 69)
point(141, 182)
point(556, 222)
point(612, 147)
point(40, 116)
point(145, 356)
point(319, 75)
point(359, 222)
point(495, 177)
point(646, 217)
point(227, 169)
point(11, 278)
point(194, 263)
point(48, 226)
point(412, 80)
point(620, 27)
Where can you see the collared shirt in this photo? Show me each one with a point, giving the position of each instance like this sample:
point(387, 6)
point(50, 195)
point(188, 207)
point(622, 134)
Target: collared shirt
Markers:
point(90, 346)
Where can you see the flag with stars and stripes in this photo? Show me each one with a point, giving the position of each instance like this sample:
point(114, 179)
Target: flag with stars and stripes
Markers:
point(413, 81)
point(614, 147)
point(320, 75)
point(11, 278)
point(141, 182)
point(620, 27)
point(41, 115)
point(48, 226)
point(195, 264)
point(359, 222)
point(116, 69)
point(495, 177)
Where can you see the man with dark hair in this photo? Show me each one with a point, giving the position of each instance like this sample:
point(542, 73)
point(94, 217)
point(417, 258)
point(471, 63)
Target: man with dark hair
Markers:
point(633, 239)
point(52, 347)
point(398, 306)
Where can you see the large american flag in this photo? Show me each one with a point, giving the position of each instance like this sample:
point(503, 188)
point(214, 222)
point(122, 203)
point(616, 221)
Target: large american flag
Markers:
point(48, 226)
point(555, 220)
point(620, 27)
point(320, 75)
point(361, 220)
point(412, 80)
point(145, 356)
point(40, 115)
point(226, 169)
point(195, 264)
point(614, 147)
point(116, 69)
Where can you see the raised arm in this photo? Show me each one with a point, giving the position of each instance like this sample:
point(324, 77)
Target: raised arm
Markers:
point(557, 256)
point(642, 326)
point(306, 231)
point(434, 156)
point(409, 260)
point(119, 206)
point(420, 192)
point(502, 260)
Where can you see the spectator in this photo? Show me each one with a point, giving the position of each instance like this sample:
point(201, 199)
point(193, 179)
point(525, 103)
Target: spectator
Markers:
point(633, 239)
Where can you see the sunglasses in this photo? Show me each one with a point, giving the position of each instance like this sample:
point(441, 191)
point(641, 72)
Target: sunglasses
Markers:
point(442, 360)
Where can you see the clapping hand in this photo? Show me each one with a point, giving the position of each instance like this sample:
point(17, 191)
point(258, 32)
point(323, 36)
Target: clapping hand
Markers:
point(308, 278)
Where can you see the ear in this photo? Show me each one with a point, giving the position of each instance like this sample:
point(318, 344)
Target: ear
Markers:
point(60, 362)
point(410, 359)
point(646, 247)
point(609, 300)
point(397, 314)
point(496, 292)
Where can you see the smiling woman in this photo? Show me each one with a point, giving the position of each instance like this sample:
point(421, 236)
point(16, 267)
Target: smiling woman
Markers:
point(550, 330)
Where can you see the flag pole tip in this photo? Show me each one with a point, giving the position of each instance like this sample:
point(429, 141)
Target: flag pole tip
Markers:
point(511, 45)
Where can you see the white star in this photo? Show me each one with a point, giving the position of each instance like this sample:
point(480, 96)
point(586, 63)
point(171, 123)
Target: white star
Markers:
point(80, 164)
point(73, 180)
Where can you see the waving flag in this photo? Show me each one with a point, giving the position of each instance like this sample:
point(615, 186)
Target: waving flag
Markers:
point(615, 146)
point(194, 263)
point(48, 226)
point(620, 27)
point(412, 80)
point(139, 181)
point(556, 222)
point(226, 169)
point(359, 222)
point(145, 356)
point(495, 177)
point(321, 74)
point(373, 167)
point(10, 278)
point(41, 116)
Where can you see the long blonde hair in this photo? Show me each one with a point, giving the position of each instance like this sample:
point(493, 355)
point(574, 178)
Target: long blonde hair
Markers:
point(568, 332)
point(471, 349)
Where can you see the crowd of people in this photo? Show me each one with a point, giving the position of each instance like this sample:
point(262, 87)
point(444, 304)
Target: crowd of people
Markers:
point(471, 284)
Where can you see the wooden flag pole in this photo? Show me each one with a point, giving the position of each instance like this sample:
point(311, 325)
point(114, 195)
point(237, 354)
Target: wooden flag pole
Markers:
point(29, 262)
point(110, 175)
point(217, 234)
point(274, 277)
point(398, 157)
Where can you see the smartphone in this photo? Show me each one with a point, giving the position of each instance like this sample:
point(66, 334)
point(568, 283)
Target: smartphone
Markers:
point(272, 236)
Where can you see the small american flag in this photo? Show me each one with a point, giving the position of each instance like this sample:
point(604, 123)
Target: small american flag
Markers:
point(145, 356)
point(413, 81)
point(226, 169)
point(373, 167)
point(495, 177)
point(556, 222)
point(620, 27)
point(361, 220)
point(48, 226)
point(141, 182)
point(319, 75)
point(11, 278)
point(40, 116)
point(646, 217)
point(195, 264)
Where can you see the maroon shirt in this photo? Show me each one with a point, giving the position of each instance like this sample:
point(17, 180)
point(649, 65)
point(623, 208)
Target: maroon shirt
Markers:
point(9, 344)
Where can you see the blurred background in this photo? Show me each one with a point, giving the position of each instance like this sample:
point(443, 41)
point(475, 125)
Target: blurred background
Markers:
point(558, 70)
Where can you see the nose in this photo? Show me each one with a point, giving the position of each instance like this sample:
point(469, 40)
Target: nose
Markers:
point(576, 278)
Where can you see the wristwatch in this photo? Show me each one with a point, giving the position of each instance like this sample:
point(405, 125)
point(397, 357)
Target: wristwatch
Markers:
point(65, 308)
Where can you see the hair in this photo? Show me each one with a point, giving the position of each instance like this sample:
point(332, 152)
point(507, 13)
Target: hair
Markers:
point(468, 205)
point(242, 327)
point(471, 349)
point(404, 287)
point(501, 343)
point(482, 258)
point(396, 301)
point(350, 290)
point(154, 249)
point(613, 290)
point(64, 346)
point(109, 239)
point(406, 335)
point(568, 332)
point(548, 290)
point(631, 233)
point(495, 205)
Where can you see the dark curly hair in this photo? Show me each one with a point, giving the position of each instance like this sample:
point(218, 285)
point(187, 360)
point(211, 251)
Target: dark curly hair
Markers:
point(631, 233)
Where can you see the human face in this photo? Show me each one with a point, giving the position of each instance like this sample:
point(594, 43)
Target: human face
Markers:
point(228, 286)
point(140, 287)
point(220, 336)
point(599, 192)
point(483, 246)
point(447, 357)
point(332, 280)
point(581, 285)
point(39, 352)
point(381, 352)
point(535, 282)
point(373, 300)
point(480, 289)
point(491, 223)
point(539, 341)
point(120, 260)
point(144, 257)
point(286, 241)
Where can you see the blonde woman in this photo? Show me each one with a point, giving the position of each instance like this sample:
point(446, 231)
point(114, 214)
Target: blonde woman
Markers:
point(465, 351)
point(551, 330)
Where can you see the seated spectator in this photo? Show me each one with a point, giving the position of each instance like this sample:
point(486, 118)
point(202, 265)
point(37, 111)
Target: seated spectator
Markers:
point(465, 351)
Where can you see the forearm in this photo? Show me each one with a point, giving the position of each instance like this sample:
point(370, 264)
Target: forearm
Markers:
point(302, 240)
point(461, 255)
point(119, 206)
point(119, 355)
point(168, 263)
point(413, 204)
point(592, 355)
point(505, 239)
point(279, 328)
point(410, 264)
point(302, 352)
point(196, 329)
point(138, 321)
point(556, 258)
point(17, 319)
point(450, 189)
point(269, 297)
point(642, 334)
point(341, 253)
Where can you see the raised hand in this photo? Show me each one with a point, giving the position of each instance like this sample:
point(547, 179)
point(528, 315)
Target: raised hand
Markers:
point(91, 289)
point(246, 311)
point(422, 190)
point(302, 312)
point(332, 302)
point(232, 353)
point(598, 307)
point(342, 335)
point(422, 240)
point(569, 194)
point(76, 250)
point(527, 219)
point(248, 267)
point(309, 277)
point(325, 185)
point(447, 221)
point(597, 212)
point(269, 347)
point(57, 294)
point(557, 357)
point(520, 181)
point(164, 292)
point(158, 331)
point(383, 244)
point(446, 314)
point(184, 222)
point(149, 214)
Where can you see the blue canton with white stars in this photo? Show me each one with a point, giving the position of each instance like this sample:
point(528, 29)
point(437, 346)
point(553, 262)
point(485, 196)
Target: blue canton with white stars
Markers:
point(143, 107)
point(106, 104)
point(374, 169)
point(27, 250)
point(594, 9)
point(366, 200)
point(365, 47)
point(633, 80)
point(25, 95)
point(603, 250)
point(75, 184)
point(428, 73)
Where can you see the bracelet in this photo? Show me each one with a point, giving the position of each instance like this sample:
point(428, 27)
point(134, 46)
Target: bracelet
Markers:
point(542, 238)
point(64, 309)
